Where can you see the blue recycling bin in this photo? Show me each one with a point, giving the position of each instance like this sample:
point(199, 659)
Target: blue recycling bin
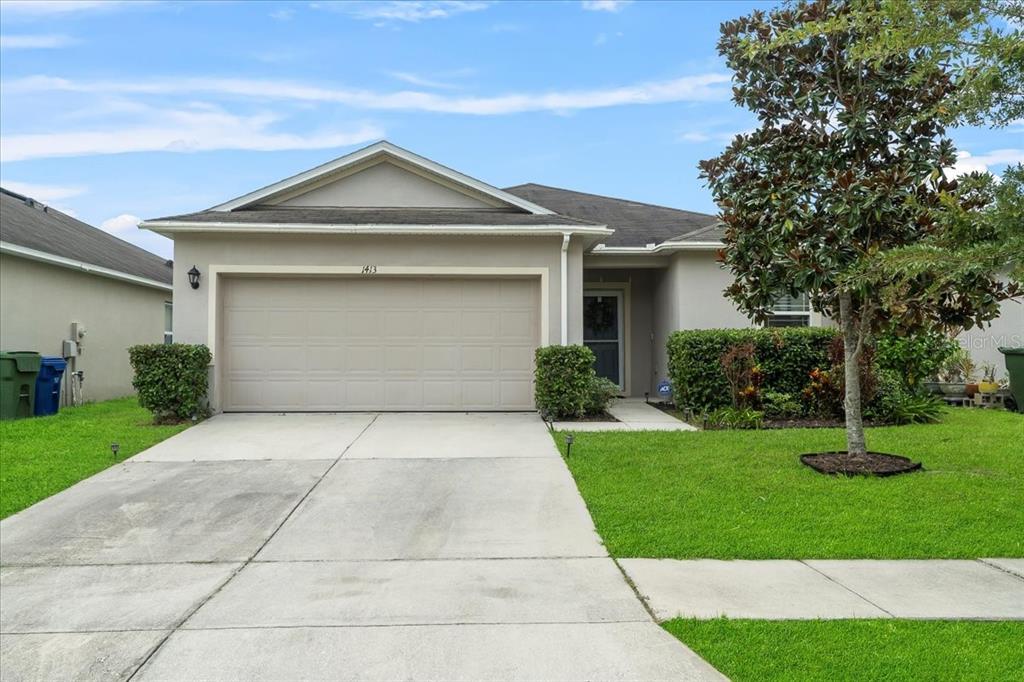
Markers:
point(51, 369)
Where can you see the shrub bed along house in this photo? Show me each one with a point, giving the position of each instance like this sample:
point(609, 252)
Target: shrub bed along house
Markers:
point(171, 379)
point(785, 358)
point(750, 378)
point(566, 386)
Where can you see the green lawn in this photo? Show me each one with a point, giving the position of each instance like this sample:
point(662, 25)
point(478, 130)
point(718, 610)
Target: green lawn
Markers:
point(745, 495)
point(857, 649)
point(44, 455)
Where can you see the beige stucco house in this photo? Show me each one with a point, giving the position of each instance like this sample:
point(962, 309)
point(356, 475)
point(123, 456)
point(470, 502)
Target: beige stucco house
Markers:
point(385, 281)
point(62, 280)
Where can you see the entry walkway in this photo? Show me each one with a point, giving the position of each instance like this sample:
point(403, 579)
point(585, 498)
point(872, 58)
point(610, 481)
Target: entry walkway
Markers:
point(633, 414)
point(370, 547)
point(987, 589)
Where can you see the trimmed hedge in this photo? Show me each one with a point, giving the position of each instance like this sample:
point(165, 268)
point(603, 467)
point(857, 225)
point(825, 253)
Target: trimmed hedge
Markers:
point(785, 356)
point(171, 379)
point(564, 378)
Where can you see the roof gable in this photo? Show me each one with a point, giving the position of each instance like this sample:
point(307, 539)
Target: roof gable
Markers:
point(385, 176)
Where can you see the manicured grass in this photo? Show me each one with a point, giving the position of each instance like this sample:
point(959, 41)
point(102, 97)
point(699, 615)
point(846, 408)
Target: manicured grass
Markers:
point(857, 649)
point(44, 455)
point(745, 495)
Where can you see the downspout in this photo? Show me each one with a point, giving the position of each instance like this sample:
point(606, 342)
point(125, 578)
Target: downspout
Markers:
point(565, 287)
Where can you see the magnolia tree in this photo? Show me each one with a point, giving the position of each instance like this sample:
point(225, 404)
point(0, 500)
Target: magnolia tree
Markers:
point(844, 170)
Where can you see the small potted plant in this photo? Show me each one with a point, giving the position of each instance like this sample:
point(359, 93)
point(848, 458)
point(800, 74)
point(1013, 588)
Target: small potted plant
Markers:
point(988, 383)
point(956, 374)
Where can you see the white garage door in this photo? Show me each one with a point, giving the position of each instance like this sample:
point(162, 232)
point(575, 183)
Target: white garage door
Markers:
point(326, 344)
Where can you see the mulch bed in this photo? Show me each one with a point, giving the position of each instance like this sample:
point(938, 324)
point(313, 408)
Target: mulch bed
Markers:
point(870, 464)
point(603, 417)
point(812, 423)
point(791, 423)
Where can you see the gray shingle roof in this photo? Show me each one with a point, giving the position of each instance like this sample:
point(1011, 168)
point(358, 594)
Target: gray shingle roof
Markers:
point(635, 223)
point(374, 216)
point(25, 222)
point(711, 233)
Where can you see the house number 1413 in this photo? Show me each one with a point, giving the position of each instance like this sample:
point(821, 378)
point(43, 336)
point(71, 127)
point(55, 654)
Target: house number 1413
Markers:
point(369, 269)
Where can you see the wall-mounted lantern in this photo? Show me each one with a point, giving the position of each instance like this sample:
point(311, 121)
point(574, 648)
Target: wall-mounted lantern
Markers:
point(193, 277)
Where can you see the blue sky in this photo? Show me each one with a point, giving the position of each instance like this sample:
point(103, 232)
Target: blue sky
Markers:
point(115, 111)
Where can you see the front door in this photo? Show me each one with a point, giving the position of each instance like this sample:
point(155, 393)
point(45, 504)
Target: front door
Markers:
point(603, 333)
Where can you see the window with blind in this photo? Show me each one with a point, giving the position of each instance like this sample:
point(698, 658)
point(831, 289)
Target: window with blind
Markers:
point(790, 311)
point(168, 322)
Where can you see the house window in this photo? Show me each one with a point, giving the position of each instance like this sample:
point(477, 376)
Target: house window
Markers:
point(790, 311)
point(168, 322)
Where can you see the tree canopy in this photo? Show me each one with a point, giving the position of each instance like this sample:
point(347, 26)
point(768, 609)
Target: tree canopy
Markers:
point(844, 171)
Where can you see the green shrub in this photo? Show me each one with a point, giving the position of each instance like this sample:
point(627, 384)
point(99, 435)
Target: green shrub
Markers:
point(734, 418)
point(910, 408)
point(785, 359)
point(914, 358)
point(171, 379)
point(780, 405)
point(897, 403)
point(564, 377)
point(601, 394)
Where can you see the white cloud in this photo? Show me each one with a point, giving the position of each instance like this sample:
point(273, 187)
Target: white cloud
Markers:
point(694, 137)
point(189, 130)
point(52, 7)
point(43, 193)
point(605, 5)
point(413, 79)
point(602, 38)
point(403, 10)
point(969, 163)
point(35, 41)
point(699, 88)
point(126, 222)
point(719, 136)
point(283, 14)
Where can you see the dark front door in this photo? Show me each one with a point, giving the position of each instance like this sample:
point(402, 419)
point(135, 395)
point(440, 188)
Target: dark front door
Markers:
point(602, 332)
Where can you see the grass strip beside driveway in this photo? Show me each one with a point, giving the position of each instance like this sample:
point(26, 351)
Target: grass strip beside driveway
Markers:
point(745, 495)
point(857, 649)
point(44, 455)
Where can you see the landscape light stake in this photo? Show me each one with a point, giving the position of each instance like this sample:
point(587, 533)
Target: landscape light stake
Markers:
point(568, 445)
point(114, 449)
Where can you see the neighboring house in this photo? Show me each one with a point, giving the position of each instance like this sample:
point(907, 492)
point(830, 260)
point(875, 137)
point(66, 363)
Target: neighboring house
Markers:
point(385, 281)
point(60, 277)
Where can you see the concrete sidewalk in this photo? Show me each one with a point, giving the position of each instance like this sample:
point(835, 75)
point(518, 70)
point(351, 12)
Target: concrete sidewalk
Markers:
point(370, 547)
point(987, 589)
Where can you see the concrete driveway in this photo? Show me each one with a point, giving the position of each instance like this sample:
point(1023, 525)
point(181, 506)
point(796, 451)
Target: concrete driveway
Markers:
point(393, 546)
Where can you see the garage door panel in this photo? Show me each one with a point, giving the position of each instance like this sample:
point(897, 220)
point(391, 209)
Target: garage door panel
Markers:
point(363, 324)
point(403, 359)
point(444, 359)
point(328, 324)
point(441, 324)
point(515, 359)
point(378, 343)
point(517, 394)
point(478, 359)
point(361, 358)
point(479, 395)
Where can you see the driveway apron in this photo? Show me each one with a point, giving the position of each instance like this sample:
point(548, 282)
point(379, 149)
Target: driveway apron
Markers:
point(394, 546)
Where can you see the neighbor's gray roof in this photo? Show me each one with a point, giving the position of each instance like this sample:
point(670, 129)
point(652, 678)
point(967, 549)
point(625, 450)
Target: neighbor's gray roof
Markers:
point(374, 216)
point(25, 222)
point(635, 223)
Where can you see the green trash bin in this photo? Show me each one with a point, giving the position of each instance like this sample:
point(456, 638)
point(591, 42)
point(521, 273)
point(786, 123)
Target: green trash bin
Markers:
point(18, 372)
point(1015, 368)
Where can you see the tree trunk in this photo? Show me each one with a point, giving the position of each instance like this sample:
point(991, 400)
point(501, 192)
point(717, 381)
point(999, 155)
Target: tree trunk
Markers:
point(851, 354)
